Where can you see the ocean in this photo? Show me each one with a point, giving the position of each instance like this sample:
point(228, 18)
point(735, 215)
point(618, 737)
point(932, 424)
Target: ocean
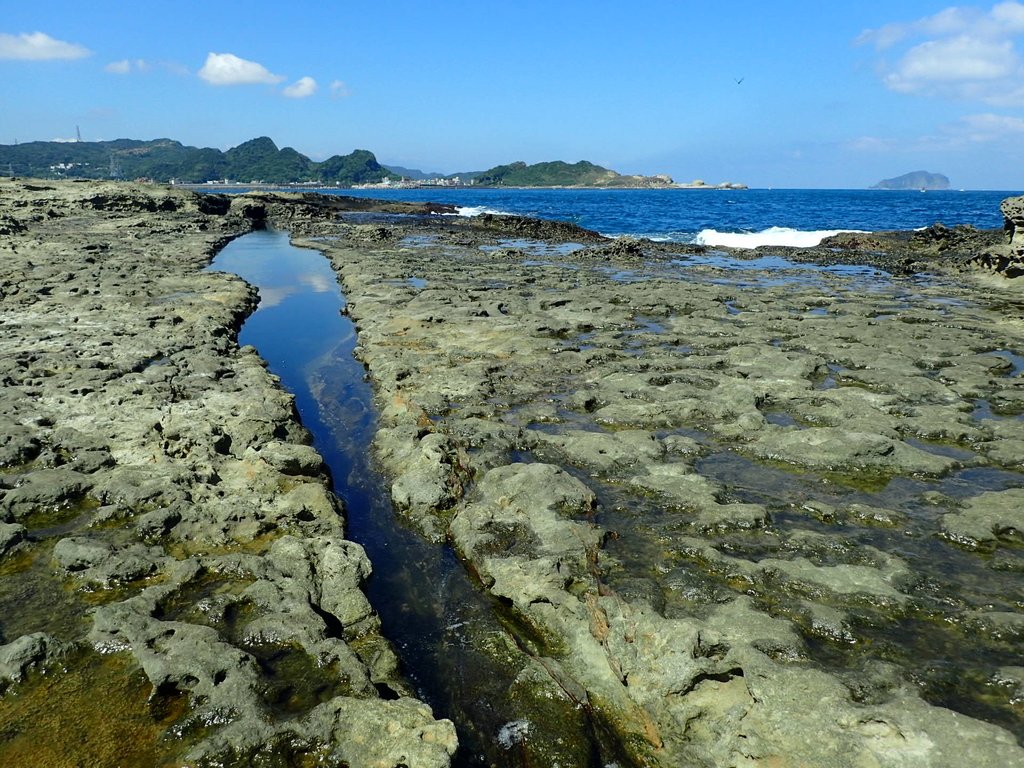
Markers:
point(738, 218)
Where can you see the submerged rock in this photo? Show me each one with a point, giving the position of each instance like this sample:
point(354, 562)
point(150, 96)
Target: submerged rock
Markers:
point(987, 519)
point(837, 449)
point(28, 652)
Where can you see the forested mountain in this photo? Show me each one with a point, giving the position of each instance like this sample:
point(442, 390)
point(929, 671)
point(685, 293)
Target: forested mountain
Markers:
point(261, 161)
point(553, 174)
point(258, 160)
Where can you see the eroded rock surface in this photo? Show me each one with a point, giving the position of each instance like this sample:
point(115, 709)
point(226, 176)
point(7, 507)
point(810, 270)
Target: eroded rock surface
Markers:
point(726, 517)
point(160, 505)
point(725, 509)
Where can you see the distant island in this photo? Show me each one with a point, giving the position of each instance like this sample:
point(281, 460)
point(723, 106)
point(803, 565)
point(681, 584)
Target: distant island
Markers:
point(260, 162)
point(915, 180)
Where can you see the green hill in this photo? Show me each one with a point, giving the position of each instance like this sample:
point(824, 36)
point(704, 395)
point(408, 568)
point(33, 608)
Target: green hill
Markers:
point(258, 160)
point(561, 174)
point(359, 167)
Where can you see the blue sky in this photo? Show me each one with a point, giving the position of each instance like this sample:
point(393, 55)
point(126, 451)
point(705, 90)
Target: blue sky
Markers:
point(792, 93)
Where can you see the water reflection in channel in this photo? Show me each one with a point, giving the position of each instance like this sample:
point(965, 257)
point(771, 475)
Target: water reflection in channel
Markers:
point(429, 609)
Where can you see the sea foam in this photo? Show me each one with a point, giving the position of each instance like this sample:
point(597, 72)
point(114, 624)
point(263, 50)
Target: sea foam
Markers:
point(797, 238)
point(476, 210)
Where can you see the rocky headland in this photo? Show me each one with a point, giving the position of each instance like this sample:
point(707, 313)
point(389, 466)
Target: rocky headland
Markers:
point(727, 516)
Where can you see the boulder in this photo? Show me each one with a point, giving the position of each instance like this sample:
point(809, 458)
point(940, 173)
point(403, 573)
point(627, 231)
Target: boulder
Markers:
point(18, 443)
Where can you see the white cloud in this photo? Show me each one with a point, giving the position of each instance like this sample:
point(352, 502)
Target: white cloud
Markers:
point(228, 69)
point(948, 21)
point(127, 66)
point(988, 127)
point(960, 53)
point(39, 47)
point(339, 90)
point(318, 283)
point(969, 131)
point(301, 88)
point(1009, 16)
point(959, 59)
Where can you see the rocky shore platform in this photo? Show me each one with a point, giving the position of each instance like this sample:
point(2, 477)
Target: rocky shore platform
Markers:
point(175, 584)
point(731, 511)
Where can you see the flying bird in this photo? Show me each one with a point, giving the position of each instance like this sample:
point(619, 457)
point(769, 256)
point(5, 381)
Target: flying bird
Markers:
point(741, 80)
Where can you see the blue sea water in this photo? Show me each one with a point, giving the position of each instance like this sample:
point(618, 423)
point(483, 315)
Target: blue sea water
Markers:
point(724, 217)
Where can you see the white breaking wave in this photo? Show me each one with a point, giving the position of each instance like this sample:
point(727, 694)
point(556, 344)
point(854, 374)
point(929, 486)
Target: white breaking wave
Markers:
point(797, 238)
point(476, 210)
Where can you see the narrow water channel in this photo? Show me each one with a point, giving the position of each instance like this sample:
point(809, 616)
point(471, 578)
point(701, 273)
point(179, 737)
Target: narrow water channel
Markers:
point(429, 609)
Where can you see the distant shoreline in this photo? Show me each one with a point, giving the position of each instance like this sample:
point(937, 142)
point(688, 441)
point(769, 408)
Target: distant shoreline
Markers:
point(302, 187)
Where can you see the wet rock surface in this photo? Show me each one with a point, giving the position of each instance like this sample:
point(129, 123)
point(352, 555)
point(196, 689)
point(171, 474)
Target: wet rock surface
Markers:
point(174, 575)
point(740, 514)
